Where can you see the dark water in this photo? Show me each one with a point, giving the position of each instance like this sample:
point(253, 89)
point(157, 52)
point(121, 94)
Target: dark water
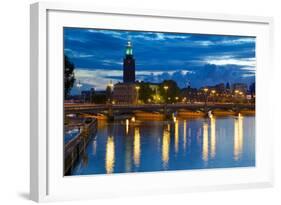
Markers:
point(157, 145)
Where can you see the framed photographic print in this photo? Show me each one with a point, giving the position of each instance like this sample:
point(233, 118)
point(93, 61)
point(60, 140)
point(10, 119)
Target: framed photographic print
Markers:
point(127, 102)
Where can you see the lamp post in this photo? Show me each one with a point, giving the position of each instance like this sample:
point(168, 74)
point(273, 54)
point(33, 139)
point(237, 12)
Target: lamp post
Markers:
point(241, 95)
point(137, 88)
point(213, 93)
point(111, 86)
point(206, 95)
point(236, 94)
point(79, 85)
point(166, 89)
point(166, 100)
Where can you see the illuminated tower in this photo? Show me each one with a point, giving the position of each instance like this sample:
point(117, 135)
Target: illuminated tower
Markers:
point(129, 65)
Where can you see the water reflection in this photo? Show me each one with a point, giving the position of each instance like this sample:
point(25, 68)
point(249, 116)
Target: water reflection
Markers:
point(176, 136)
point(205, 149)
point(94, 147)
point(165, 147)
point(213, 137)
point(238, 137)
point(127, 126)
point(184, 135)
point(110, 155)
point(162, 145)
point(137, 148)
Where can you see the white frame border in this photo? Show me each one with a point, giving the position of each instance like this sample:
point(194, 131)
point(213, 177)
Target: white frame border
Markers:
point(38, 83)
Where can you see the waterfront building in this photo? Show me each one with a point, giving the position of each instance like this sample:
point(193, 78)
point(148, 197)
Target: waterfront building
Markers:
point(241, 87)
point(126, 92)
point(87, 95)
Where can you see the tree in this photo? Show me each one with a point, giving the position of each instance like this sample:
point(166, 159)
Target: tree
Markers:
point(173, 91)
point(145, 92)
point(69, 77)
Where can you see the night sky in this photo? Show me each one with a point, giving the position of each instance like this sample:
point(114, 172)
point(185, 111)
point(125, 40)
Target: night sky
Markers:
point(186, 58)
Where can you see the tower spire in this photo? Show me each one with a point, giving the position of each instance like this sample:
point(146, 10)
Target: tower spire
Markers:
point(129, 64)
point(129, 48)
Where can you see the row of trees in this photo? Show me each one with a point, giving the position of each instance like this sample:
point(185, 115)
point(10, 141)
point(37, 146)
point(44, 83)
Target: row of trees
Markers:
point(69, 77)
point(147, 94)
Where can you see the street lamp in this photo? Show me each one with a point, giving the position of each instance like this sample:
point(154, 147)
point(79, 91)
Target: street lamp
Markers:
point(241, 95)
point(110, 86)
point(206, 95)
point(236, 93)
point(166, 89)
point(79, 85)
point(137, 88)
point(213, 93)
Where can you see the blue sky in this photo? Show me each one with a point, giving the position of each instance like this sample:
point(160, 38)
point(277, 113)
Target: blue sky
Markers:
point(186, 58)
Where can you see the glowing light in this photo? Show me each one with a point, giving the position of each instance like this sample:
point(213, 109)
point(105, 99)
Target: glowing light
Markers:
point(79, 85)
point(94, 147)
point(205, 150)
point(184, 135)
point(110, 155)
point(213, 137)
point(176, 136)
point(137, 149)
point(127, 126)
point(238, 138)
point(165, 148)
point(133, 119)
point(205, 90)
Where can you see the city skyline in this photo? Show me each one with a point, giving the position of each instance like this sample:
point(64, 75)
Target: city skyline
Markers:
point(186, 58)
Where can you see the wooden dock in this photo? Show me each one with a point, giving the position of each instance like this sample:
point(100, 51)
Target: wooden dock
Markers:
point(75, 147)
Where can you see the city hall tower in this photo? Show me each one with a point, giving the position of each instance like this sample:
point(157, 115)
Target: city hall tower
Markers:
point(129, 65)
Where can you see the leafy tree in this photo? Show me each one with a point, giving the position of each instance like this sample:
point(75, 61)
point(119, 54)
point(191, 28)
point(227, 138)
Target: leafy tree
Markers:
point(69, 77)
point(172, 92)
point(145, 91)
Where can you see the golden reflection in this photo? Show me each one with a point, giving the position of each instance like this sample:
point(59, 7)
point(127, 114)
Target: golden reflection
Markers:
point(110, 155)
point(128, 158)
point(176, 136)
point(127, 126)
point(238, 137)
point(137, 149)
point(205, 150)
point(165, 147)
point(213, 137)
point(184, 135)
point(95, 147)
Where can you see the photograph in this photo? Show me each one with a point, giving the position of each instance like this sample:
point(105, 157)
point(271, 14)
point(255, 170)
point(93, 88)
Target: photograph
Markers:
point(154, 101)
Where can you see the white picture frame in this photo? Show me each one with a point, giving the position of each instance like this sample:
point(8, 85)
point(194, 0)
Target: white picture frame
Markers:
point(46, 179)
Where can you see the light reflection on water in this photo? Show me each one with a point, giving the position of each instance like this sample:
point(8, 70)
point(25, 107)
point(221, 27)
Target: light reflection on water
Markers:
point(177, 145)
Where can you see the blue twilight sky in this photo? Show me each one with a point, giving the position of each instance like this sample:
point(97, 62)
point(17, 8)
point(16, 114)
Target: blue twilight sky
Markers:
point(186, 58)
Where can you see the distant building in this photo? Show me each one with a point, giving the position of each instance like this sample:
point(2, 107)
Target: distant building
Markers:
point(126, 92)
point(220, 88)
point(87, 95)
point(241, 87)
point(190, 94)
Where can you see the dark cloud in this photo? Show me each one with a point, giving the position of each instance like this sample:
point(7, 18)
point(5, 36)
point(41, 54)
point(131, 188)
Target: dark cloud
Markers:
point(209, 58)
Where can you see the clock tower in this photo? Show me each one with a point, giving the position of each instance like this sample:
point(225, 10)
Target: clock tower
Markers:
point(129, 65)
